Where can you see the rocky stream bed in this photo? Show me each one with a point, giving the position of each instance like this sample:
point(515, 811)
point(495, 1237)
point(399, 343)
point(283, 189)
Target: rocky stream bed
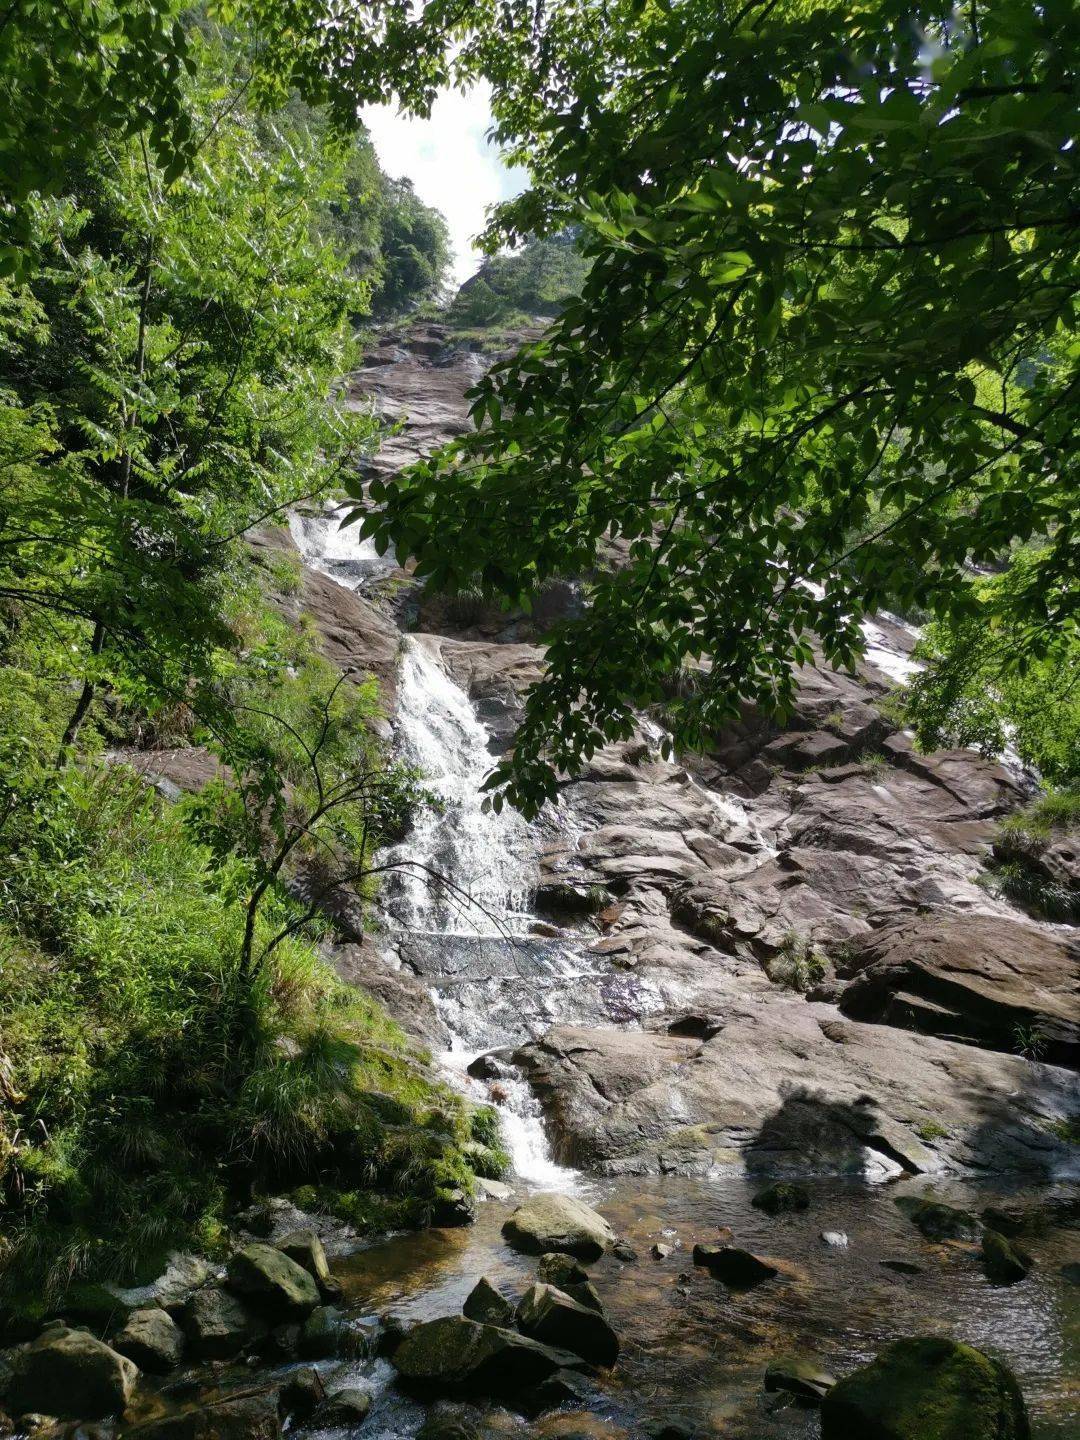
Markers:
point(780, 961)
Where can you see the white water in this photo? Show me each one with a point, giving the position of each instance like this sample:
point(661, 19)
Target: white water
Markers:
point(469, 872)
point(333, 549)
point(490, 860)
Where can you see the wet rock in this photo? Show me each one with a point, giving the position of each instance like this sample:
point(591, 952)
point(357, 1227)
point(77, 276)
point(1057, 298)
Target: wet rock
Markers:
point(937, 1221)
point(825, 1094)
point(485, 1304)
point(926, 1388)
point(219, 1325)
point(245, 1417)
point(271, 1281)
point(622, 1251)
point(902, 1267)
point(305, 1249)
point(344, 1408)
point(393, 1329)
point(558, 1222)
point(782, 1197)
point(1071, 1271)
point(152, 1339)
point(550, 1315)
point(283, 1342)
point(70, 1374)
point(1005, 1262)
point(567, 1275)
point(801, 1376)
point(302, 1394)
point(494, 1189)
point(836, 1238)
point(562, 1388)
point(661, 1251)
point(735, 1267)
point(487, 1067)
point(445, 1421)
point(320, 1333)
point(977, 978)
point(453, 1208)
point(455, 1354)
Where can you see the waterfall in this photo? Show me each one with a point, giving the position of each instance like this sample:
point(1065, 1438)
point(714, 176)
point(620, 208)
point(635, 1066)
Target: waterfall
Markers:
point(489, 859)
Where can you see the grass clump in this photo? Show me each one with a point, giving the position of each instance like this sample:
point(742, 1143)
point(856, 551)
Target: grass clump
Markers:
point(798, 964)
point(1024, 867)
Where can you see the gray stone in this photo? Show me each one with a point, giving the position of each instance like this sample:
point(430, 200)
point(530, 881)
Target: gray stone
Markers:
point(343, 1409)
point(455, 1354)
point(558, 1222)
point(564, 1272)
point(70, 1374)
point(267, 1278)
point(936, 1220)
point(302, 1393)
point(219, 1325)
point(152, 1339)
point(552, 1316)
point(782, 1197)
point(835, 1238)
point(320, 1334)
point(306, 1249)
point(485, 1304)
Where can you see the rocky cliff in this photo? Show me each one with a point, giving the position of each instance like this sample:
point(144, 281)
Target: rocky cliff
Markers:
point(788, 957)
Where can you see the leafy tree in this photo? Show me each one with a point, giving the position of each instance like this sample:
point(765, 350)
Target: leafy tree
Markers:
point(414, 249)
point(74, 75)
point(169, 370)
point(540, 279)
point(989, 683)
point(818, 238)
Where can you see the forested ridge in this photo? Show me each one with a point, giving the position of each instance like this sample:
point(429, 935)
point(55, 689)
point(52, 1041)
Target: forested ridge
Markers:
point(785, 326)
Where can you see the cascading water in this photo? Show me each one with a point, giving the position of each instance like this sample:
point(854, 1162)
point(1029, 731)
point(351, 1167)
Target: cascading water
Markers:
point(488, 860)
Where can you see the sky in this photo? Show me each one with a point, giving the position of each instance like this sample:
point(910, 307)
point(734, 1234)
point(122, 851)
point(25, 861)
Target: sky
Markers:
point(451, 164)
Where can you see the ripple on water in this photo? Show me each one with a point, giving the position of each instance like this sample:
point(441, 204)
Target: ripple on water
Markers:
point(696, 1351)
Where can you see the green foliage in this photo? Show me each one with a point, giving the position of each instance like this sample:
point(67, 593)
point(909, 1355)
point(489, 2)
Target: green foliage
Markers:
point(799, 963)
point(1004, 674)
point(538, 280)
point(135, 1116)
point(99, 71)
point(1020, 868)
point(833, 277)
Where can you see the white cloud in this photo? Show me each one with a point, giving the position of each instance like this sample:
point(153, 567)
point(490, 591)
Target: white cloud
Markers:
point(450, 161)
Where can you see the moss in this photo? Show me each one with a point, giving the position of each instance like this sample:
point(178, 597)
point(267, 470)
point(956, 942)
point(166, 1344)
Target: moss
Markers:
point(926, 1388)
point(930, 1130)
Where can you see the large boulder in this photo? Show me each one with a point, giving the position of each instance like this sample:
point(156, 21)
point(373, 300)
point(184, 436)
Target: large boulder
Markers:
point(552, 1316)
point(559, 1222)
point(926, 1388)
point(781, 1198)
point(984, 979)
point(72, 1375)
point(152, 1339)
point(219, 1325)
point(342, 1409)
point(458, 1355)
point(268, 1279)
point(305, 1249)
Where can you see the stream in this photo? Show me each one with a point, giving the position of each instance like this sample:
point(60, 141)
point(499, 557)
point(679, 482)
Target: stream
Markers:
point(693, 1352)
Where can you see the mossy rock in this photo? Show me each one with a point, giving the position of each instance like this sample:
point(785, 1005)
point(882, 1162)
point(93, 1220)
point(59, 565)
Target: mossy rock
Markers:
point(783, 1198)
point(267, 1278)
point(70, 1374)
point(937, 1221)
point(1005, 1262)
point(926, 1388)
